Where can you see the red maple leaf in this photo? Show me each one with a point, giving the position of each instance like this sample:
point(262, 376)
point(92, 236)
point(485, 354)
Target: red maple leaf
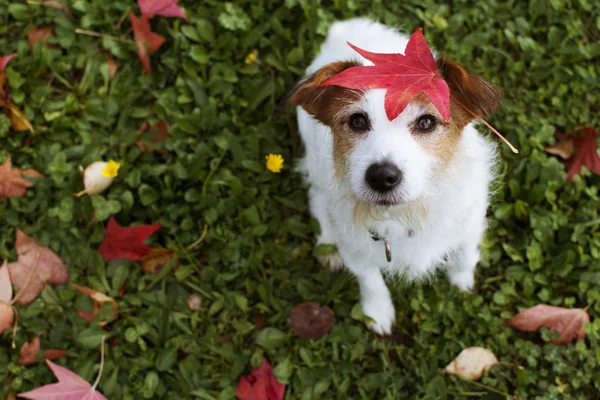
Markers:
point(261, 384)
point(404, 77)
point(585, 152)
point(166, 8)
point(127, 243)
point(146, 41)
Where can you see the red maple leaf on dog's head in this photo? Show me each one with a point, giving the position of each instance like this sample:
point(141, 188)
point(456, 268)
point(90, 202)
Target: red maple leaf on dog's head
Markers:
point(127, 243)
point(404, 77)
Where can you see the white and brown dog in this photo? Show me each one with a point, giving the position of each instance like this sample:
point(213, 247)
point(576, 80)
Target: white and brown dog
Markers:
point(402, 196)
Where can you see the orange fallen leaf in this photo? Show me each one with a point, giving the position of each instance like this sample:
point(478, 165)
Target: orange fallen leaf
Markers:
point(36, 266)
point(19, 121)
point(568, 322)
point(40, 33)
point(30, 349)
point(156, 259)
point(98, 300)
point(471, 363)
point(12, 182)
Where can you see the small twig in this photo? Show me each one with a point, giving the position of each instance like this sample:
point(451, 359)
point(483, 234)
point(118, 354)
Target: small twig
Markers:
point(101, 365)
point(491, 389)
point(120, 21)
point(102, 35)
point(200, 239)
point(14, 331)
point(589, 305)
point(513, 148)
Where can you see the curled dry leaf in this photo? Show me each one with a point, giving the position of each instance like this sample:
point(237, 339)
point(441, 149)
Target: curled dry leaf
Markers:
point(564, 148)
point(156, 259)
point(12, 182)
point(578, 150)
point(309, 320)
point(471, 363)
point(194, 302)
point(98, 300)
point(7, 315)
point(36, 266)
point(568, 322)
point(29, 350)
point(19, 121)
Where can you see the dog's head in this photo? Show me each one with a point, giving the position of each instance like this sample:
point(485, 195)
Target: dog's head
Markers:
point(392, 162)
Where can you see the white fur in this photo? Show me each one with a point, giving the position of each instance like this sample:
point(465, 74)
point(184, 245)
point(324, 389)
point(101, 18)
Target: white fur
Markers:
point(455, 197)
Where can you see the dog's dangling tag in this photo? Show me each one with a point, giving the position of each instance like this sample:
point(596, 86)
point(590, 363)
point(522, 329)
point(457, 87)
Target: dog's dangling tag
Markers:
point(388, 251)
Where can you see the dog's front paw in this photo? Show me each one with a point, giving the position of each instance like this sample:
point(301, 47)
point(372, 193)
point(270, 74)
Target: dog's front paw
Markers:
point(382, 311)
point(464, 280)
point(333, 261)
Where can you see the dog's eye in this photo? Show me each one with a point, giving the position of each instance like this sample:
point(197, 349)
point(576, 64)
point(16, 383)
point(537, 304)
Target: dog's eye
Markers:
point(426, 123)
point(359, 122)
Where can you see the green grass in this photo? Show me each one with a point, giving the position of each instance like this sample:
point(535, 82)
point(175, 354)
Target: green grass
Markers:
point(543, 243)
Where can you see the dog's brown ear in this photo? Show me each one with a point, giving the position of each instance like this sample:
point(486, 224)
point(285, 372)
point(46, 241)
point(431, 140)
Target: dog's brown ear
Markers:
point(323, 102)
point(471, 90)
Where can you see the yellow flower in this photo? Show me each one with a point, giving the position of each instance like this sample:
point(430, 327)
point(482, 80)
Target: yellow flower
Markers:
point(251, 57)
point(112, 169)
point(274, 162)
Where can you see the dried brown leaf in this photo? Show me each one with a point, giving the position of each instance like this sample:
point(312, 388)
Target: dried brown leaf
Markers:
point(471, 363)
point(37, 266)
point(568, 322)
point(98, 300)
point(309, 320)
point(565, 148)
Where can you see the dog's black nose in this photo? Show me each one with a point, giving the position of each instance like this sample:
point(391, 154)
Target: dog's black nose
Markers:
point(383, 177)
